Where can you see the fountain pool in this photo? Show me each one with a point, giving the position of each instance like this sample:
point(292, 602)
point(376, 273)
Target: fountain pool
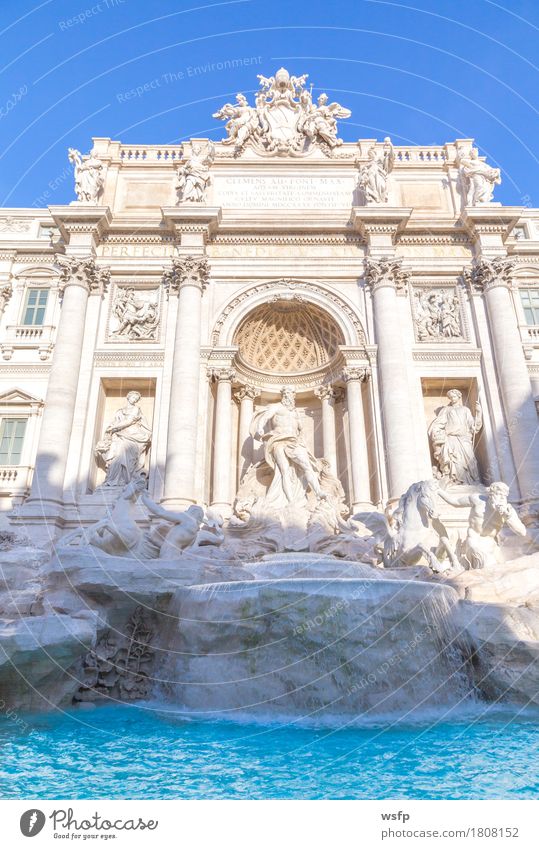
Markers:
point(155, 752)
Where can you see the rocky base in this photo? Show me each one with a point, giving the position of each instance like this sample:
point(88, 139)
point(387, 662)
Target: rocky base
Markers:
point(297, 634)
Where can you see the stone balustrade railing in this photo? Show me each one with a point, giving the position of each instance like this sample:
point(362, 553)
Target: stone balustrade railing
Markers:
point(28, 336)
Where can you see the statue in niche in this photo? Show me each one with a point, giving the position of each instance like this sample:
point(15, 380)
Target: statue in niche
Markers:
point(137, 317)
point(437, 315)
point(125, 444)
point(373, 176)
point(452, 435)
point(193, 176)
point(489, 513)
point(294, 467)
point(477, 179)
point(89, 176)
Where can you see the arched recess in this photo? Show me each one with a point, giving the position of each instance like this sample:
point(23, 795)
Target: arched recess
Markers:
point(248, 299)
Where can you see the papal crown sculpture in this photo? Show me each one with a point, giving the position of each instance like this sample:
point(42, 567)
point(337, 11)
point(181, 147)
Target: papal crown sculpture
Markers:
point(284, 119)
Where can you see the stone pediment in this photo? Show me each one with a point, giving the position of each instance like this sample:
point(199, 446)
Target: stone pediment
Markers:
point(19, 398)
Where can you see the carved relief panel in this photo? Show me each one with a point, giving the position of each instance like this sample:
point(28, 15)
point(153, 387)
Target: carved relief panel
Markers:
point(438, 314)
point(134, 313)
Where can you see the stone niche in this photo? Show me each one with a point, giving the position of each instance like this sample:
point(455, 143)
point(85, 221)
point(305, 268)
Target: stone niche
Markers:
point(435, 397)
point(112, 397)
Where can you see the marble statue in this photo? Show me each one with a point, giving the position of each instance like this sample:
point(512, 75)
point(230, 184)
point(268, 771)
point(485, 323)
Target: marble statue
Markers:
point(193, 175)
point(437, 316)
point(125, 444)
point(137, 317)
point(477, 178)
point(89, 176)
point(242, 121)
point(452, 435)
point(179, 530)
point(489, 513)
point(285, 451)
point(413, 531)
point(117, 533)
point(284, 119)
point(373, 176)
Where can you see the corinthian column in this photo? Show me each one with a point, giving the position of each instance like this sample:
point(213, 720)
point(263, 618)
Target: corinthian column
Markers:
point(188, 279)
point(493, 277)
point(359, 454)
point(222, 441)
point(79, 278)
point(328, 396)
point(387, 279)
point(246, 396)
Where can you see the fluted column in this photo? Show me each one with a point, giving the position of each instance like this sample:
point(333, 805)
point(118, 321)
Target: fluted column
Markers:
point(328, 396)
point(494, 278)
point(188, 279)
point(387, 279)
point(246, 396)
point(79, 278)
point(359, 454)
point(222, 441)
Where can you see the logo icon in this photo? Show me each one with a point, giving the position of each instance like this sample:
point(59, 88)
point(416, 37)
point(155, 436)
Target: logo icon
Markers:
point(32, 822)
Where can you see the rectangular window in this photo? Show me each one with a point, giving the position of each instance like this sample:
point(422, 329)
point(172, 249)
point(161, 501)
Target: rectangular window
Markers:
point(11, 440)
point(530, 302)
point(34, 306)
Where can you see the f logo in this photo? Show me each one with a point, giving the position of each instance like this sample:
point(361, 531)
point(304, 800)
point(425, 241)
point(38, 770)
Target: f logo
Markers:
point(32, 822)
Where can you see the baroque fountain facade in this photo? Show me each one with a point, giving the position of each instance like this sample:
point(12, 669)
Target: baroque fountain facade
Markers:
point(269, 431)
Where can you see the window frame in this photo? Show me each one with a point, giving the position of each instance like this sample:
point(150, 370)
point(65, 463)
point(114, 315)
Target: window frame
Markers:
point(12, 437)
point(35, 307)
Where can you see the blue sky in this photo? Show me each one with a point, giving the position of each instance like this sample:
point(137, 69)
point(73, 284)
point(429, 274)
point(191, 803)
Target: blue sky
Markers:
point(420, 71)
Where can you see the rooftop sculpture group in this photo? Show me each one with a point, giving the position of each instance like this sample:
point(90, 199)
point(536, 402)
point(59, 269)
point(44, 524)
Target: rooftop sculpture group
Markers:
point(284, 120)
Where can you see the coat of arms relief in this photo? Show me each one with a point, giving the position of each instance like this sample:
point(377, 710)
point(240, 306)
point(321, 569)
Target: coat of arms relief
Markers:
point(284, 120)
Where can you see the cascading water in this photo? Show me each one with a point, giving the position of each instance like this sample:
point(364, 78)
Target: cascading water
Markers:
point(315, 647)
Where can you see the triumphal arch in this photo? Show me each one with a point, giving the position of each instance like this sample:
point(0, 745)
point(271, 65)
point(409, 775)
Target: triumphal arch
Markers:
point(268, 325)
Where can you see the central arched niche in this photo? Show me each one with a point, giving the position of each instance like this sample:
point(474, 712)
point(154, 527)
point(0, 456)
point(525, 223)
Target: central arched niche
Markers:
point(288, 336)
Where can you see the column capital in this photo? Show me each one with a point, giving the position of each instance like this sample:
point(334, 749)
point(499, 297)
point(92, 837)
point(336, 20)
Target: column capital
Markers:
point(187, 271)
point(226, 375)
point(247, 391)
point(351, 373)
point(326, 392)
point(83, 272)
point(486, 274)
point(386, 271)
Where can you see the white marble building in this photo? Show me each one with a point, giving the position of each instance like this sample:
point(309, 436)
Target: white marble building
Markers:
point(369, 277)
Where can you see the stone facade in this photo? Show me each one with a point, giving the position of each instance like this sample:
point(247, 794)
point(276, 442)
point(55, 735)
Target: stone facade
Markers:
point(204, 277)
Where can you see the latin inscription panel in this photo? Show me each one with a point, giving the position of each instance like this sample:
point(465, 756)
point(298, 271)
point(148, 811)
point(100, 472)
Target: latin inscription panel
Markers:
point(281, 192)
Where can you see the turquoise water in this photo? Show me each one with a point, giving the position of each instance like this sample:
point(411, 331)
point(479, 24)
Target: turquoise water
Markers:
point(143, 753)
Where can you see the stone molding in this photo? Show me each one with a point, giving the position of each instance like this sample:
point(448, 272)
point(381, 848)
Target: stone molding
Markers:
point(303, 287)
